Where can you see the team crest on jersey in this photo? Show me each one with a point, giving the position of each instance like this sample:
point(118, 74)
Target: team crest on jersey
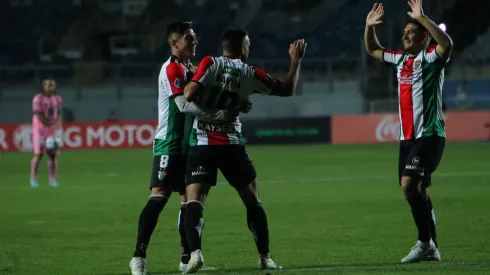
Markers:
point(416, 65)
point(177, 82)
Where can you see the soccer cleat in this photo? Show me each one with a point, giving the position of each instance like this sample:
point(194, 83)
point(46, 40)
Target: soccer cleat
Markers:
point(419, 252)
point(138, 266)
point(195, 263)
point(182, 267)
point(436, 256)
point(54, 183)
point(34, 183)
point(266, 262)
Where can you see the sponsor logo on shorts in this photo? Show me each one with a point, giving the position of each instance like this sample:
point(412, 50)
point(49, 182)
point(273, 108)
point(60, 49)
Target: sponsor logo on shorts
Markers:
point(216, 127)
point(200, 171)
point(419, 170)
point(416, 161)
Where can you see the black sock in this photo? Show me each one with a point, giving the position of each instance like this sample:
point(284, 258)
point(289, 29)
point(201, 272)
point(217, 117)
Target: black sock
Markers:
point(257, 223)
point(193, 224)
point(147, 223)
point(184, 246)
point(432, 215)
point(420, 212)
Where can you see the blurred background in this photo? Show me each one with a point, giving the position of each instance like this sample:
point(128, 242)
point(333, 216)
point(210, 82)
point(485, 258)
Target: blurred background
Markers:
point(106, 54)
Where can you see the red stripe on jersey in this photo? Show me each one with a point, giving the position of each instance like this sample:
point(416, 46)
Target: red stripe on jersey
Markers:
point(394, 51)
point(265, 78)
point(431, 48)
point(203, 67)
point(217, 138)
point(176, 77)
point(406, 102)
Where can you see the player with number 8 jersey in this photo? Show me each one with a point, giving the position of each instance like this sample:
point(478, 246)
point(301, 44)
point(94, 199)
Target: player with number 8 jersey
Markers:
point(169, 149)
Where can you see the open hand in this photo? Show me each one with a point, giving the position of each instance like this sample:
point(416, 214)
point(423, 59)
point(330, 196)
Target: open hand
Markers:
point(416, 7)
point(297, 49)
point(375, 16)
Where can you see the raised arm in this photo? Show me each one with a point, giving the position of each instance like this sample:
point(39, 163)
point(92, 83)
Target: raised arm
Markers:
point(265, 84)
point(444, 42)
point(371, 42)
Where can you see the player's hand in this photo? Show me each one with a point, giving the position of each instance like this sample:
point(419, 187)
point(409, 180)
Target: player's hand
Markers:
point(416, 7)
point(232, 115)
point(246, 105)
point(297, 49)
point(375, 16)
point(192, 68)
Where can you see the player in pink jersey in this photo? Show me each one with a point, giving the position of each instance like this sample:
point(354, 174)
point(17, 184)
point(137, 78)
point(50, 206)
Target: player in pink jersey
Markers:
point(420, 72)
point(46, 122)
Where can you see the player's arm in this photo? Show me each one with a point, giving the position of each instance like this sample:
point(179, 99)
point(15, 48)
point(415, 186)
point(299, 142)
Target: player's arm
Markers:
point(265, 84)
point(59, 121)
point(444, 42)
point(371, 42)
point(201, 78)
point(192, 108)
point(37, 110)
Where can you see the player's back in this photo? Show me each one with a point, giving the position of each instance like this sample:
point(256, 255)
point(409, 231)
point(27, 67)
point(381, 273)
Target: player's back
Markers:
point(226, 82)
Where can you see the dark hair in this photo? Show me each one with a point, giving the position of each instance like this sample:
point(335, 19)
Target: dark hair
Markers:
point(415, 22)
point(179, 27)
point(232, 39)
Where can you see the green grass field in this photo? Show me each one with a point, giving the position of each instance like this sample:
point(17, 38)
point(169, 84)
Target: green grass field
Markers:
point(331, 210)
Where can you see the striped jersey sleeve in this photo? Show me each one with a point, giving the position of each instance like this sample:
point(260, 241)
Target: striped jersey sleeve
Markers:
point(176, 76)
point(392, 57)
point(204, 74)
point(431, 56)
point(262, 82)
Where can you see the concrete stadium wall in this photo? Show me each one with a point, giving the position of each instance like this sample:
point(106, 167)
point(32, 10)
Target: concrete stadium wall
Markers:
point(139, 102)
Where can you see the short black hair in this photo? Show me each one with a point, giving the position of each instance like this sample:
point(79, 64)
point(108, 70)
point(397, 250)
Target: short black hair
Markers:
point(417, 23)
point(232, 39)
point(179, 27)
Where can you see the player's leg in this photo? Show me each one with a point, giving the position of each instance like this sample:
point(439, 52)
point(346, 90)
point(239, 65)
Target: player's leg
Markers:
point(240, 173)
point(185, 249)
point(439, 144)
point(161, 190)
point(52, 168)
point(185, 253)
point(418, 167)
point(38, 148)
point(201, 174)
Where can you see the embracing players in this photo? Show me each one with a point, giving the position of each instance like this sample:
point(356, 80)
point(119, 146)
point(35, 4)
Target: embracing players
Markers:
point(169, 148)
point(46, 123)
point(220, 84)
point(420, 71)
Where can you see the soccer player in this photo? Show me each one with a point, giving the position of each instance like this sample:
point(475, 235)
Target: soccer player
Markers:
point(420, 70)
point(169, 148)
point(46, 122)
point(219, 84)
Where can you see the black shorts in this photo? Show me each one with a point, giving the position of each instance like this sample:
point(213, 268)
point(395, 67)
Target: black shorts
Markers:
point(203, 162)
point(419, 158)
point(169, 171)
